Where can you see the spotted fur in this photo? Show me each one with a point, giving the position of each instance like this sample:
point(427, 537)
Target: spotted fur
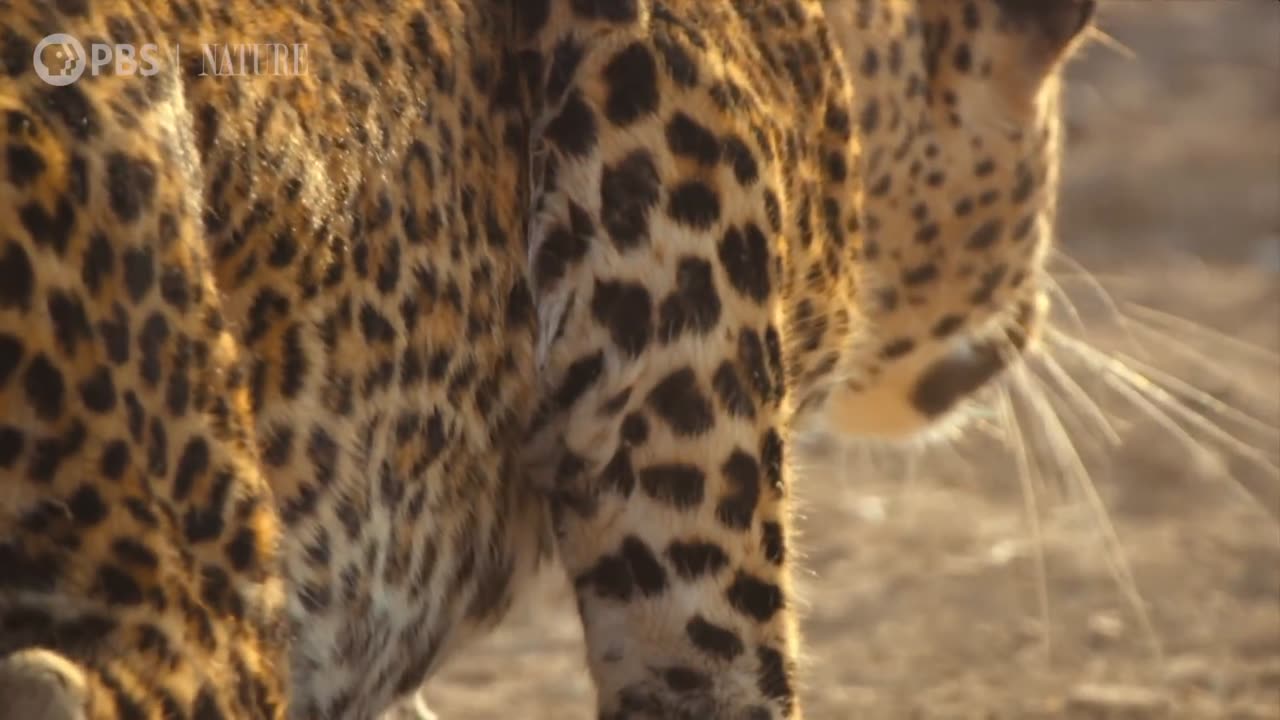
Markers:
point(303, 376)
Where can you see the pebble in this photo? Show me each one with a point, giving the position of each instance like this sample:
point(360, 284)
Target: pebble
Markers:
point(1105, 628)
point(1100, 701)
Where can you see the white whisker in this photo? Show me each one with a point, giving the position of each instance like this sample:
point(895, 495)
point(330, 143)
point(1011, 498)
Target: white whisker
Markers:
point(1160, 400)
point(1213, 368)
point(1195, 394)
point(1062, 300)
point(1070, 463)
point(1161, 407)
point(1084, 402)
point(1091, 281)
point(1031, 508)
point(1190, 328)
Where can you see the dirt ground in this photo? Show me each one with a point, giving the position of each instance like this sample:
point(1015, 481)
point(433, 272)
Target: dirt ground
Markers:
point(972, 581)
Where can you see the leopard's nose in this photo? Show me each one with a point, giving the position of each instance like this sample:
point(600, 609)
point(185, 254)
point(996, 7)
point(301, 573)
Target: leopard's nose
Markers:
point(957, 375)
point(974, 362)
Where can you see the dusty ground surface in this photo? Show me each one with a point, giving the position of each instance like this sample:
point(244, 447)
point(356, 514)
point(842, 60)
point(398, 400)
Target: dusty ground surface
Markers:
point(930, 591)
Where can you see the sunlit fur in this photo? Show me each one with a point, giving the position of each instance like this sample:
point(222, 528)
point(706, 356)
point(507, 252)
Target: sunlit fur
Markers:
point(300, 372)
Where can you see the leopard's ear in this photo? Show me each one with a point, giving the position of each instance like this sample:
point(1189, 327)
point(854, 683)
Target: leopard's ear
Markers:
point(37, 684)
point(1050, 26)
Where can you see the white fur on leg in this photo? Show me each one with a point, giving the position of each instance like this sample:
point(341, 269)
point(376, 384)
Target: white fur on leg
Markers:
point(413, 707)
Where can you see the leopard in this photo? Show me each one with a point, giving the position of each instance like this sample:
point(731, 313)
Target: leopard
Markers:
point(308, 368)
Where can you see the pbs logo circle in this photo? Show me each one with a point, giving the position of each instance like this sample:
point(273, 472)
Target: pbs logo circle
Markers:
point(59, 59)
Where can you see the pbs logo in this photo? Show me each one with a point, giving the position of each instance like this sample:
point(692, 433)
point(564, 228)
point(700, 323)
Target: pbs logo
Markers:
point(60, 59)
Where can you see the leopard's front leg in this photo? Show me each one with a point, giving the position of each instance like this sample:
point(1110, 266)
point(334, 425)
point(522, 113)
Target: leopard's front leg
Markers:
point(655, 252)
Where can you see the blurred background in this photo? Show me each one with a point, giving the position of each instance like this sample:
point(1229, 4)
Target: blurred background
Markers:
point(1117, 559)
